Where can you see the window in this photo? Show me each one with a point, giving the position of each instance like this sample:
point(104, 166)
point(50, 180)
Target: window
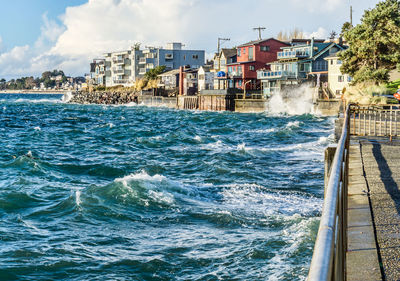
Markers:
point(244, 50)
point(184, 57)
point(240, 69)
point(240, 83)
point(251, 53)
point(349, 79)
point(230, 69)
point(340, 78)
point(195, 57)
point(239, 52)
point(331, 62)
point(251, 67)
point(301, 67)
point(264, 48)
point(222, 62)
point(338, 62)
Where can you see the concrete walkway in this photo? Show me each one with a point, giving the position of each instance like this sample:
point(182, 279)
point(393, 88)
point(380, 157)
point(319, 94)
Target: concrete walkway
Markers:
point(373, 221)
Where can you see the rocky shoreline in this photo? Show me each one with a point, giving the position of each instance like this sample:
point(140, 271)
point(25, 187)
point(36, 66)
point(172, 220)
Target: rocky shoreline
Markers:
point(104, 97)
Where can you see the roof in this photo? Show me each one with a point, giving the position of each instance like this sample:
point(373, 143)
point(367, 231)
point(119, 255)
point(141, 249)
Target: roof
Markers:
point(255, 42)
point(229, 52)
point(327, 47)
point(206, 67)
point(171, 72)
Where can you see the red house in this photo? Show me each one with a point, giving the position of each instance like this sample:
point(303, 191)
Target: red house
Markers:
point(251, 57)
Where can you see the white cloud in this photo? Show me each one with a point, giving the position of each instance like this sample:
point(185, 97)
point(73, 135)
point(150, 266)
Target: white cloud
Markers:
point(321, 33)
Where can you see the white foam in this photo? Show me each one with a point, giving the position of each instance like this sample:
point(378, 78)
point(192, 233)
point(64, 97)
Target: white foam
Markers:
point(37, 128)
point(293, 124)
point(142, 176)
point(197, 138)
point(78, 198)
point(29, 154)
point(254, 198)
point(111, 125)
point(262, 131)
point(241, 147)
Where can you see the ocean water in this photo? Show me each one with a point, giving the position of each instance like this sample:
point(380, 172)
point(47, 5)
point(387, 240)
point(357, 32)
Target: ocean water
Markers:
point(94, 192)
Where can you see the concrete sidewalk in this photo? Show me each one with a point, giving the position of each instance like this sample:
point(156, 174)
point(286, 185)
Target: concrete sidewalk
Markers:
point(373, 237)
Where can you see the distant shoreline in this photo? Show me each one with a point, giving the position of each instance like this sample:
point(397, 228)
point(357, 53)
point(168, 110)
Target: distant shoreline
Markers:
point(34, 91)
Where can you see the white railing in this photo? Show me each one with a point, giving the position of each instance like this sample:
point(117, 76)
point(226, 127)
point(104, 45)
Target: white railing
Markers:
point(292, 54)
point(275, 74)
point(329, 258)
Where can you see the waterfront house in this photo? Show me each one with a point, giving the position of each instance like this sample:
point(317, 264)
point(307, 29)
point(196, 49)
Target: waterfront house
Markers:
point(296, 64)
point(337, 81)
point(97, 73)
point(205, 78)
point(169, 80)
point(220, 70)
point(251, 57)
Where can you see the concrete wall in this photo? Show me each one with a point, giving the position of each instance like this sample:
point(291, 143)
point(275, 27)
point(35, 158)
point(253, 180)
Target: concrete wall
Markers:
point(250, 105)
point(158, 101)
point(217, 102)
point(328, 107)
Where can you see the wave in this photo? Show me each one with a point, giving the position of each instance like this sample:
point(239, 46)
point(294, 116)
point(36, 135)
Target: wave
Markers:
point(37, 101)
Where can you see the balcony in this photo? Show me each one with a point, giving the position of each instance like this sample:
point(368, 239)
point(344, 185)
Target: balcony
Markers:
point(142, 61)
point(118, 61)
point(142, 71)
point(293, 54)
point(276, 74)
point(120, 81)
point(119, 71)
point(169, 56)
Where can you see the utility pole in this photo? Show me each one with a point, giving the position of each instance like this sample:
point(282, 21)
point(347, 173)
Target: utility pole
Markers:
point(259, 31)
point(351, 16)
point(219, 57)
point(221, 40)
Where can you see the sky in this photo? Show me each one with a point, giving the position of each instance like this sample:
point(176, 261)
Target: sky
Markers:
point(41, 35)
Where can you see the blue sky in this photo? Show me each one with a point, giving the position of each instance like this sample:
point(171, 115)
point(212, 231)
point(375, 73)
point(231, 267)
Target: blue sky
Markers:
point(20, 20)
point(40, 35)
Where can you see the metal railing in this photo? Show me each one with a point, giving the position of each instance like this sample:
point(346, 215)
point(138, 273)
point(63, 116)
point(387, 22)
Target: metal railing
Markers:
point(329, 258)
point(375, 120)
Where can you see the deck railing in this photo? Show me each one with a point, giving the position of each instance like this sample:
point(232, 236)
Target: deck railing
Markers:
point(375, 120)
point(328, 261)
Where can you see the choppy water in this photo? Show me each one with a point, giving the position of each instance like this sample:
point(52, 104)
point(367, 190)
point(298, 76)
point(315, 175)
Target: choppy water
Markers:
point(91, 192)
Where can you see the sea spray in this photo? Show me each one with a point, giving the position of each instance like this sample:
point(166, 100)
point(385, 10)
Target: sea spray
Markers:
point(293, 101)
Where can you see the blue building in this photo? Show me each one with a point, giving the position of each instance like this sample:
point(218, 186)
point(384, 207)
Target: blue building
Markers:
point(173, 56)
point(297, 64)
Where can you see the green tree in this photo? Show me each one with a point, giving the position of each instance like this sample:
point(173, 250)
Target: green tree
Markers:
point(374, 44)
point(152, 73)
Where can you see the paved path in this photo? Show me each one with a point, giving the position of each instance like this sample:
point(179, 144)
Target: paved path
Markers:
point(374, 237)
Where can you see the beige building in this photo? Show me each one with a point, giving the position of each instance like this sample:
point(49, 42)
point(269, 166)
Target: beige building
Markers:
point(224, 57)
point(337, 81)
